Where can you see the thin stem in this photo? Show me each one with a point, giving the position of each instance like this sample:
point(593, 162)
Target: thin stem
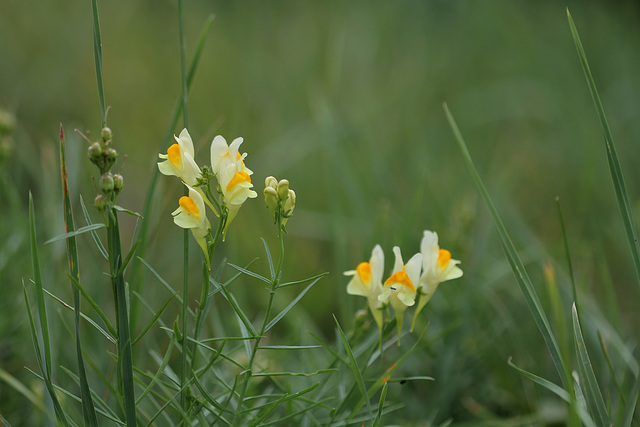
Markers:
point(97, 56)
point(265, 320)
point(125, 357)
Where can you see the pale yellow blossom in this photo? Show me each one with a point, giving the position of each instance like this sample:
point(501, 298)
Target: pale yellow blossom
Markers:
point(367, 282)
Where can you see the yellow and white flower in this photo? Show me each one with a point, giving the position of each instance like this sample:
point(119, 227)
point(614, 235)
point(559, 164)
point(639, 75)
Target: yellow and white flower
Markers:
point(367, 282)
point(235, 185)
point(191, 214)
point(400, 288)
point(179, 160)
point(437, 267)
point(223, 155)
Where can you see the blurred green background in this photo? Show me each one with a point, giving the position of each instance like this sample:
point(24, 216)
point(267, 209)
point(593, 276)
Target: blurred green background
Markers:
point(344, 99)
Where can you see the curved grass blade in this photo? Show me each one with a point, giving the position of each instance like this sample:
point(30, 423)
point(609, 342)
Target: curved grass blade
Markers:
point(592, 392)
point(153, 320)
point(93, 305)
point(73, 234)
point(353, 365)
point(557, 390)
point(522, 278)
point(383, 396)
point(94, 235)
point(290, 306)
point(627, 419)
point(612, 156)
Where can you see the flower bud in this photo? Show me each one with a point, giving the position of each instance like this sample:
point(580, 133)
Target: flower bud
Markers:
point(95, 152)
point(271, 182)
point(288, 206)
point(100, 203)
point(106, 134)
point(106, 183)
point(283, 189)
point(111, 156)
point(271, 199)
point(118, 183)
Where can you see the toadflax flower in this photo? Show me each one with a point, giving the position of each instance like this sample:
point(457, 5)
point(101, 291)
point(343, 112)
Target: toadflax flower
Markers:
point(191, 214)
point(222, 155)
point(367, 282)
point(400, 289)
point(437, 267)
point(179, 160)
point(233, 176)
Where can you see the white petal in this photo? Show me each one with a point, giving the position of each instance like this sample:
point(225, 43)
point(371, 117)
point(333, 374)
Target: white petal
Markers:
point(413, 268)
point(219, 148)
point(187, 143)
point(377, 264)
point(356, 287)
point(167, 168)
point(398, 263)
point(407, 298)
point(429, 249)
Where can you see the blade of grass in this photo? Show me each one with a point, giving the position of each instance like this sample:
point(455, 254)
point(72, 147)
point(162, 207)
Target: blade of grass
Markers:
point(290, 306)
point(627, 419)
point(612, 156)
point(522, 278)
point(383, 396)
point(94, 235)
point(555, 389)
point(589, 382)
point(612, 371)
point(93, 305)
point(97, 56)
point(73, 234)
point(152, 321)
point(353, 365)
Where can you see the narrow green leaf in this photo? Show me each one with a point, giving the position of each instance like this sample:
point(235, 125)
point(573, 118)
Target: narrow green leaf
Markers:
point(522, 278)
point(250, 273)
point(234, 304)
point(614, 164)
point(93, 305)
point(269, 260)
point(612, 371)
point(26, 392)
point(555, 389)
point(288, 347)
point(328, 348)
point(84, 316)
point(127, 211)
point(353, 365)
point(295, 374)
point(159, 372)
point(94, 235)
point(152, 321)
point(88, 409)
point(629, 411)
point(298, 282)
point(593, 396)
point(80, 230)
point(290, 306)
point(383, 396)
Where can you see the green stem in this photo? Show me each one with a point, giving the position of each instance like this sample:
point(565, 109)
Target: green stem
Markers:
point(125, 357)
point(265, 321)
point(97, 56)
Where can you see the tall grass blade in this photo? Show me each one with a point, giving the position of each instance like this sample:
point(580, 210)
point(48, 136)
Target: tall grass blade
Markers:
point(44, 354)
point(97, 56)
point(631, 405)
point(88, 409)
point(353, 365)
point(290, 306)
point(94, 235)
point(522, 278)
point(612, 156)
point(593, 396)
point(383, 397)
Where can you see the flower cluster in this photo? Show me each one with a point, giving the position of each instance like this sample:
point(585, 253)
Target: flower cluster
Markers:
point(419, 277)
point(233, 189)
point(280, 199)
point(102, 154)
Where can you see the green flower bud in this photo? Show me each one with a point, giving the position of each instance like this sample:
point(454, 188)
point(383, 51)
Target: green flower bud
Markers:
point(111, 155)
point(271, 198)
point(288, 206)
point(118, 183)
point(95, 153)
point(100, 203)
point(271, 182)
point(283, 189)
point(106, 183)
point(106, 134)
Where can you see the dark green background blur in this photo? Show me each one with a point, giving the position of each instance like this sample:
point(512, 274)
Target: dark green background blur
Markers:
point(345, 100)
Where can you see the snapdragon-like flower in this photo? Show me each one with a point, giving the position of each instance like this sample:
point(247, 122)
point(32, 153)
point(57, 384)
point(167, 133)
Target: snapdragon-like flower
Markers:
point(235, 186)
point(367, 282)
point(179, 160)
point(437, 267)
point(222, 155)
point(191, 214)
point(400, 288)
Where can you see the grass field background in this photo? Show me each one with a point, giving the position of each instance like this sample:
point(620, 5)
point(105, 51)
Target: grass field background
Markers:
point(344, 99)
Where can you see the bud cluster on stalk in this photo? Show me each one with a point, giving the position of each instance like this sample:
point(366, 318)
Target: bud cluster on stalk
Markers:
point(279, 198)
point(103, 155)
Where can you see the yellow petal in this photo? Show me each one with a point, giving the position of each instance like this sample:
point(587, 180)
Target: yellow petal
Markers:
point(364, 272)
point(190, 206)
point(402, 278)
point(444, 256)
point(175, 156)
point(237, 179)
